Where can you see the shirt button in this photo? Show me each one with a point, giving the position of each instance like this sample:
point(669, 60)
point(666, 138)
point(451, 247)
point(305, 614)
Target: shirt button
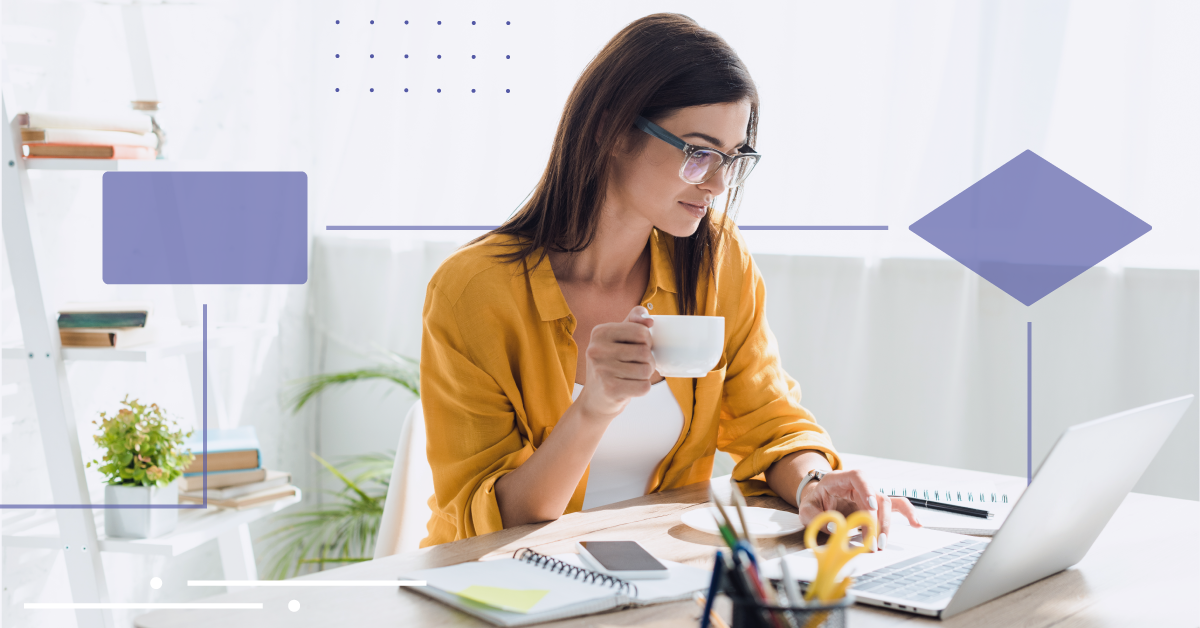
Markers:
point(649, 306)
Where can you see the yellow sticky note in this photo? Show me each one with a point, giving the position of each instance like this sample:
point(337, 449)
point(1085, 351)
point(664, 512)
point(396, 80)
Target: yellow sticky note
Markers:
point(515, 600)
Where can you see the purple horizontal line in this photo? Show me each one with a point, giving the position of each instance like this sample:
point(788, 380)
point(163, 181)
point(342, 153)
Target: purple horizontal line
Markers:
point(91, 506)
point(408, 227)
point(814, 227)
point(489, 228)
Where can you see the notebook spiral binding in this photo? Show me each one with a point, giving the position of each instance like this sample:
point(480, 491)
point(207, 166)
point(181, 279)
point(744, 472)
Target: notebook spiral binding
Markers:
point(571, 571)
point(948, 496)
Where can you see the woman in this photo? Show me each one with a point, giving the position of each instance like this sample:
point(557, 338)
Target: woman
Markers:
point(537, 382)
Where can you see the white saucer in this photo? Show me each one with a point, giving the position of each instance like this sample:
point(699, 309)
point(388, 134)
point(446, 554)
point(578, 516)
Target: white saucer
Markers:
point(764, 523)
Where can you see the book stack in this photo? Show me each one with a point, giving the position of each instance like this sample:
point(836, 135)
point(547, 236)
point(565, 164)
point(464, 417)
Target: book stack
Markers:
point(116, 135)
point(114, 324)
point(236, 479)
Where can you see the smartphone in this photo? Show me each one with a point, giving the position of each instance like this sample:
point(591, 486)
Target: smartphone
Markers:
point(623, 559)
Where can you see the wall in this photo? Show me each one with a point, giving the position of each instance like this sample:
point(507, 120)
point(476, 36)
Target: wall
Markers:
point(872, 114)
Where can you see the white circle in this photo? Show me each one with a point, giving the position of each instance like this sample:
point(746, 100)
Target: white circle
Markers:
point(294, 605)
point(764, 522)
point(156, 583)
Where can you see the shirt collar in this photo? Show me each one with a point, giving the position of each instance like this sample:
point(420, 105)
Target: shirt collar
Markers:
point(548, 296)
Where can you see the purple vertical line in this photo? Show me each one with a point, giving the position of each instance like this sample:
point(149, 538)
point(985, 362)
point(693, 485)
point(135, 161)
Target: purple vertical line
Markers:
point(204, 411)
point(1028, 403)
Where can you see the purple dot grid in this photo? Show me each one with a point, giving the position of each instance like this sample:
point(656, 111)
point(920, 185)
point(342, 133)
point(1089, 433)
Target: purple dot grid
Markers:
point(203, 448)
point(439, 22)
point(1029, 228)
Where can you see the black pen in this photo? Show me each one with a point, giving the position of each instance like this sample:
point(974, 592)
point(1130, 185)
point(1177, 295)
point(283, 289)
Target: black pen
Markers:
point(960, 510)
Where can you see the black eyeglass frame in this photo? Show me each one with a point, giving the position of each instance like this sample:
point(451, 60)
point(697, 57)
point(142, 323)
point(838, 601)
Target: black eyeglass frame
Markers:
point(668, 137)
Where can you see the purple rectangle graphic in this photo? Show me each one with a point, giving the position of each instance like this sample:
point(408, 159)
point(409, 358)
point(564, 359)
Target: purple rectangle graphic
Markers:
point(205, 227)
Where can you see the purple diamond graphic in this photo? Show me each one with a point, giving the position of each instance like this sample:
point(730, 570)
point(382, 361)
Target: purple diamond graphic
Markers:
point(1029, 228)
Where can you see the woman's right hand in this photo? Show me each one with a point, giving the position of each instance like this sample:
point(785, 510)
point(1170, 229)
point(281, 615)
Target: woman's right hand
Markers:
point(619, 365)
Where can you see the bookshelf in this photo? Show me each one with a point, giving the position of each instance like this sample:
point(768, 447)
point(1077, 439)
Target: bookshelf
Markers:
point(188, 342)
point(122, 165)
point(78, 532)
point(195, 527)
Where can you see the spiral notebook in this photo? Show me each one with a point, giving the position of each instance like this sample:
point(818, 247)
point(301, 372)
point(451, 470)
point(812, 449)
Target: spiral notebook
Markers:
point(999, 503)
point(533, 588)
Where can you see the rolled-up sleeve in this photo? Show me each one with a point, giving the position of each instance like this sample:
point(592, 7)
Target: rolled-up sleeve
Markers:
point(471, 428)
point(762, 419)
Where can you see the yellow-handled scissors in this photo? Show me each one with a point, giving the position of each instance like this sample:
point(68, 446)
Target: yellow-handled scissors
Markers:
point(836, 552)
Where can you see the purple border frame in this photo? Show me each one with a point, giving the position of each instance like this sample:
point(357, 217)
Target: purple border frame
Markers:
point(204, 446)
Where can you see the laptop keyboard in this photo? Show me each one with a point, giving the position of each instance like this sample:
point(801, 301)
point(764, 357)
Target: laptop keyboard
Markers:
point(926, 578)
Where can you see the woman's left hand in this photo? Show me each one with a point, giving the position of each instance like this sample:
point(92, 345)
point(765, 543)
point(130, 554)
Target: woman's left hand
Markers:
point(848, 492)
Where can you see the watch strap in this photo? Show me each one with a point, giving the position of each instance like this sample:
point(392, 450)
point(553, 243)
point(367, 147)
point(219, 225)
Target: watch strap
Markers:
point(814, 475)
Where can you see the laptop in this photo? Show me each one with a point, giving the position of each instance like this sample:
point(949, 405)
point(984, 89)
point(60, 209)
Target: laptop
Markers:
point(1094, 464)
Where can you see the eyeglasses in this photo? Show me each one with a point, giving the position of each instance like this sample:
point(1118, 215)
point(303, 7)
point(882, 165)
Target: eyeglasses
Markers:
point(700, 164)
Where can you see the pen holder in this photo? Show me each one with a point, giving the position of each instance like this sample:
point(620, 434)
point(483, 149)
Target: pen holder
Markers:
point(747, 613)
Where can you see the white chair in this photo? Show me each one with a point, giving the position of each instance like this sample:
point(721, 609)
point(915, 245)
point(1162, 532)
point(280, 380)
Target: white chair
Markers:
point(406, 509)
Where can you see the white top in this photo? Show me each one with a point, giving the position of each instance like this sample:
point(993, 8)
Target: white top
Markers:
point(634, 444)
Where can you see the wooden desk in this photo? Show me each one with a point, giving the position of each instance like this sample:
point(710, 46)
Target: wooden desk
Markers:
point(1116, 584)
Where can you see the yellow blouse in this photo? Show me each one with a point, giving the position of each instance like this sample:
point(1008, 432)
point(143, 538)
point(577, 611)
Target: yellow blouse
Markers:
point(498, 369)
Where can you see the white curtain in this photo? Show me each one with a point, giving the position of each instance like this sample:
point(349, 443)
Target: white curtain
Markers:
point(872, 113)
point(922, 360)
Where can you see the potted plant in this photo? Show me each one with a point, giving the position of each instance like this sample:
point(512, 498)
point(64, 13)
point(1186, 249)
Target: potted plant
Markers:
point(342, 530)
point(143, 456)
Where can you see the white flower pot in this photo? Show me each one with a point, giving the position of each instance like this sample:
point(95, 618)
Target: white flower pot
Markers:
point(140, 523)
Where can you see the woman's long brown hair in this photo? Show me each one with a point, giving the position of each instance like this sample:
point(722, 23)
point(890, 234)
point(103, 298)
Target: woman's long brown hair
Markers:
point(655, 66)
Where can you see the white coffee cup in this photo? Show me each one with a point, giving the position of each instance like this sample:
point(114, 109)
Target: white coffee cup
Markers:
point(686, 346)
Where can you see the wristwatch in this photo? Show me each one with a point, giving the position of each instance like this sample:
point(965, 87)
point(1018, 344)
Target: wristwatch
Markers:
point(812, 476)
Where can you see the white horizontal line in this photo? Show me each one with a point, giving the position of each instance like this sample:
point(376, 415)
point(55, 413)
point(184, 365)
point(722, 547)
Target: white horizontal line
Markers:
point(306, 583)
point(149, 606)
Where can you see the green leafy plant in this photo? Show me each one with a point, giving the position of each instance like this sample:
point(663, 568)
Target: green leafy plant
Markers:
point(345, 529)
point(340, 532)
point(140, 448)
point(391, 367)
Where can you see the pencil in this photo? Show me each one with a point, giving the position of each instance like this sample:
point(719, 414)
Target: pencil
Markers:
point(739, 501)
point(712, 614)
point(721, 509)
